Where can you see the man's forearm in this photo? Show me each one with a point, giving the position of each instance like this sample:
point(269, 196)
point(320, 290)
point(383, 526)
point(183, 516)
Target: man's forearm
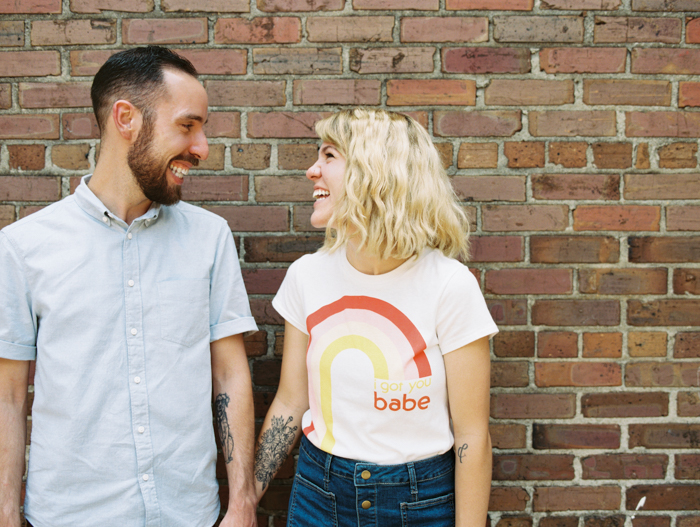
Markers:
point(13, 437)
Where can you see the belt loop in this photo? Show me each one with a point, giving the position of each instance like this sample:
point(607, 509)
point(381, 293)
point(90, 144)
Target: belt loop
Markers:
point(412, 477)
point(327, 472)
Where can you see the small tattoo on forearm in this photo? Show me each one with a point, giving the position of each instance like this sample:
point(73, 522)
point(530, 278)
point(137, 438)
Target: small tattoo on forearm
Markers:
point(272, 448)
point(222, 426)
point(462, 451)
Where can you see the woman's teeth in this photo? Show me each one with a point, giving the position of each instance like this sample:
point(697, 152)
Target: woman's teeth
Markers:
point(178, 170)
point(321, 194)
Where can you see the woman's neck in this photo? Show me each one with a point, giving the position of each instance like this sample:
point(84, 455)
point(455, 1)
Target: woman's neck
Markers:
point(370, 264)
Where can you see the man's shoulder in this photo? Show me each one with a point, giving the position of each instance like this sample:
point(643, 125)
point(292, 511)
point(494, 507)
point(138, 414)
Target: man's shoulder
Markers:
point(195, 213)
point(28, 225)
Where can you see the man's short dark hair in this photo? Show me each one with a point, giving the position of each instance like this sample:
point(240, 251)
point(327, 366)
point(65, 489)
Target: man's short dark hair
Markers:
point(135, 75)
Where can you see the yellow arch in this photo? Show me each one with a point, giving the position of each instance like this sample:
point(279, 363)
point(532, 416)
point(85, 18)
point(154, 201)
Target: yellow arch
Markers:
point(374, 354)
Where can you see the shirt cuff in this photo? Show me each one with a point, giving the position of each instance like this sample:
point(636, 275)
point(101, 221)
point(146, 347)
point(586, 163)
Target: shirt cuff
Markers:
point(245, 325)
point(11, 351)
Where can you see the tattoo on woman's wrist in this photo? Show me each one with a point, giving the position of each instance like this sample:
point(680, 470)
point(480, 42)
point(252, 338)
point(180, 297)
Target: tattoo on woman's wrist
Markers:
point(272, 448)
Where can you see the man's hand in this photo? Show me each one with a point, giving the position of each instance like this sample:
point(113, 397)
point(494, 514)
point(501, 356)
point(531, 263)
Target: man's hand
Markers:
point(242, 515)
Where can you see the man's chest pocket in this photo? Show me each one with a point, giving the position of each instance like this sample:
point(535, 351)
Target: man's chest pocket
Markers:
point(184, 310)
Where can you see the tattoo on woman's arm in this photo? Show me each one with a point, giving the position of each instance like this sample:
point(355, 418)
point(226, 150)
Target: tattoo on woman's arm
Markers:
point(272, 448)
point(223, 427)
point(462, 451)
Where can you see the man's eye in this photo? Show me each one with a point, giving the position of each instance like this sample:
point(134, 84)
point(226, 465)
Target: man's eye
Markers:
point(187, 127)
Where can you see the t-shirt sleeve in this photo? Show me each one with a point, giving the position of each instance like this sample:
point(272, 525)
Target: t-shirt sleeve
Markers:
point(17, 322)
point(463, 316)
point(288, 301)
point(229, 310)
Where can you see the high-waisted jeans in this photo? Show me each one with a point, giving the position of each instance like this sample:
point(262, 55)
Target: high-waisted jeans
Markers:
point(339, 492)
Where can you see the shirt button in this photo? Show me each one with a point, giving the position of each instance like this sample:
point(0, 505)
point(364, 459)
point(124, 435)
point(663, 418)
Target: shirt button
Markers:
point(137, 380)
point(141, 429)
point(131, 283)
point(145, 477)
point(365, 474)
point(134, 331)
point(105, 219)
point(366, 504)
point(129, 235)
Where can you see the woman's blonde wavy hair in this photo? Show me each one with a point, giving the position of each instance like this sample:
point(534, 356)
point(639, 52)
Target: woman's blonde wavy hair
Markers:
point(398, 199)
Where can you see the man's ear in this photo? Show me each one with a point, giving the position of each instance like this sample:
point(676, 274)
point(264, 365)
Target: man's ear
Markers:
point(127, 119)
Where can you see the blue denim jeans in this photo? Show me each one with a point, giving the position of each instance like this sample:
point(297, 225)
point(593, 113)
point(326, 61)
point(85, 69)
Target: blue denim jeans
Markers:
point(337, 492)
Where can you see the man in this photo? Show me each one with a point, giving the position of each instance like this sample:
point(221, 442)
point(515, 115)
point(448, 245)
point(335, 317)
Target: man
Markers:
point(134, 307)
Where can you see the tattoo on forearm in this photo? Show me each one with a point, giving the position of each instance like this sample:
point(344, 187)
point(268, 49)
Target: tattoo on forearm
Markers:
point(272, 448)
point(222, 426)
point(462, 451)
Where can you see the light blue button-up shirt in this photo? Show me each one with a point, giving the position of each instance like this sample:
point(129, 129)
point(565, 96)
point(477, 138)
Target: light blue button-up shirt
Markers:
point(119, 318)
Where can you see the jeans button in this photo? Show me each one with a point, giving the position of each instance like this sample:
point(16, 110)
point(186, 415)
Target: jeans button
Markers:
point(366, 474)
point(366, 504)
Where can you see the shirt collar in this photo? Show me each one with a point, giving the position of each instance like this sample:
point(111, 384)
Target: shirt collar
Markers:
point(91, 204)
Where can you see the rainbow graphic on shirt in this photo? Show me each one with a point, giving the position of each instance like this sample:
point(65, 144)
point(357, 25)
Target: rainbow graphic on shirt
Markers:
point(384, 334)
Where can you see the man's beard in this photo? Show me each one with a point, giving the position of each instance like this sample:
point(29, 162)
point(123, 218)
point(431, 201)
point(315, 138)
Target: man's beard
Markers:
point(150, 171)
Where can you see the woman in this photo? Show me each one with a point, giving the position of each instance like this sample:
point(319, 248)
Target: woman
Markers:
point(386, 341)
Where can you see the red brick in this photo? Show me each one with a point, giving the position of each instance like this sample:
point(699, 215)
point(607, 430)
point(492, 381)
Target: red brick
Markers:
point(350, 29)
point(223, 124)
point(624, 466)
point(7, 215)
point(496, 248)
point(569, 154)
point(576, 186)
point(574, 249)
point(531, 467)
point(420, 5)
point(88, 62)
point(612, 155)
point(29, 126)
point(572, 123)
point(29, 188)
point(80, 126)
point(98, 6)
point(678, 155)
point(165, 31)
point(666, 5)
point(27, 157)
point(283, 124)
point(617, 218)
point(345, 91)
point(570, 5)
point(246, 93)
point(217, 61)
point(508, 499)
point(575, 436)
point(524, 155)
point(643, 162)
point(646, 344)
point(664, 435)
point(688, 406)
point(558, 521)
point(486, 60)
point(557, 344)
point(509, 374)
point(533, 405)
point(692, 31)
point(603, 405)
point(54, 94)
point(666, 60)
point(297, 61)
point(392, 60)
point(446, 151)
point(283, 188)
point(11, 33)
point(490, 188)
point(627, 92)
point(29, 63)
point(665, 497)
point(602, 345)
point(528, 281)
point(687, 466)
point(512, 312)
point(263, 281)
point(483, 5)
point(433, 92)
point(662, 124)
point(444, 29)
point(618, 29)
point(14, 7)
point(666, 312)
point(272, 6)
point(261, 30)
point(538, 29)
point(683, 218)
point(576, 312)
point(251, 218)
point(5, 95)
point(686, 521)
point(657, 374)
point(687, 345)
point(477, 123)
point(296, 156)
point(71, 32)
point(688, 94)
point(506, 436)
point(662, 186)
point(71, 156)
point(583, 60)
point(250, 156)
point(279, 248)
point(210, 6)
point(216, 188)
point(477, 155)
point(613, 281)
point(549, 374)
point(301, 219)
point(511, 92)
point(514, 344)
point(525, 217)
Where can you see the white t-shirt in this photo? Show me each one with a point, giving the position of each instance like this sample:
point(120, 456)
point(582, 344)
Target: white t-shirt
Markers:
point(376, 375)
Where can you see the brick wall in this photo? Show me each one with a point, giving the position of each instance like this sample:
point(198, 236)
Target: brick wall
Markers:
point(570, 129)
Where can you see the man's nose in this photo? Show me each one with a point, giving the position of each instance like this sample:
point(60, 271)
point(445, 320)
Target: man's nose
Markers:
point(200, 146)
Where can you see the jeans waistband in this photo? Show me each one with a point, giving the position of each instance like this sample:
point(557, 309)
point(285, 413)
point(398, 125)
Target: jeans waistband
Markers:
point(365, 474)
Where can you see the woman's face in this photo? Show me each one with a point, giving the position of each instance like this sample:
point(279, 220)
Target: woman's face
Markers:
point(327, 174)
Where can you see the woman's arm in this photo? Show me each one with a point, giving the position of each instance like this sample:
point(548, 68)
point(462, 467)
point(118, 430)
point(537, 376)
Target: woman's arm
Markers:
point(468, 383)
point(282, 426)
